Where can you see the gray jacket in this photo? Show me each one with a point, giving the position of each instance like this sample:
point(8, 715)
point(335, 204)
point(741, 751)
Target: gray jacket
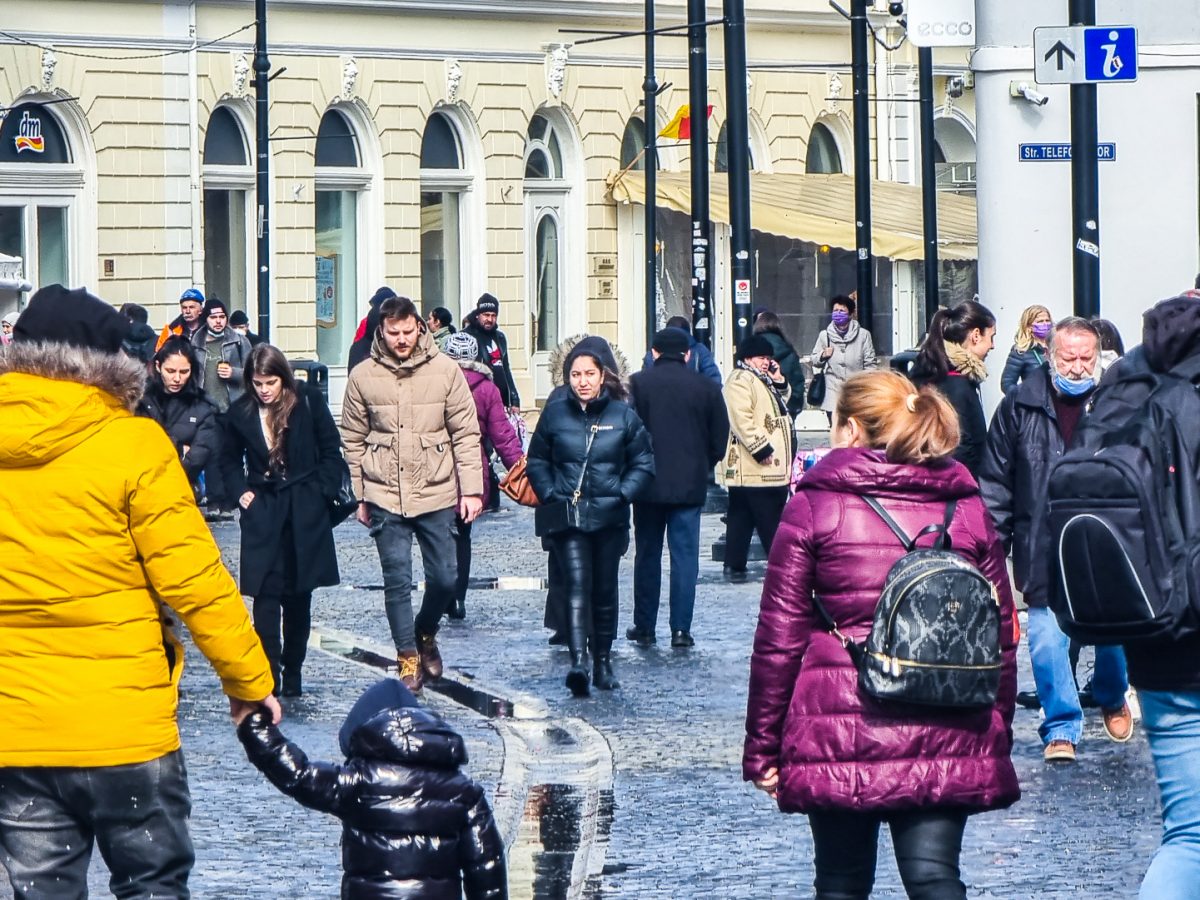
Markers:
point(235, 348)
point(853, 352)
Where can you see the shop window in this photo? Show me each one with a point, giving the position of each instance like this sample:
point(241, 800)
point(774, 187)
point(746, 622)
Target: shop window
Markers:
point(228, 179)
point(444, 182)
point(339, 184)
point(823, 157)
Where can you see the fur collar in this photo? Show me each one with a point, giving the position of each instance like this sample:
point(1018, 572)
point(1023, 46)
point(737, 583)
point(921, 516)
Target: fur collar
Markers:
point(113, 373)
point(474, 365)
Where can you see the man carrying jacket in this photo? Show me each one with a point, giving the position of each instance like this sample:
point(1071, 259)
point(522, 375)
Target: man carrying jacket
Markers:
point(688, 424)
point(1028, 434)
point(99, 536)
point(412, 442)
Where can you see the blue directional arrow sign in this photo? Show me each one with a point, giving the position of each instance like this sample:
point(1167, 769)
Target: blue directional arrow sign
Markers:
point(1110, 54)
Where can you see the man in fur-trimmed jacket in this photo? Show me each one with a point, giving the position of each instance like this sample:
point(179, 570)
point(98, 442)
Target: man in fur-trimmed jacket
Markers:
point(412, 442)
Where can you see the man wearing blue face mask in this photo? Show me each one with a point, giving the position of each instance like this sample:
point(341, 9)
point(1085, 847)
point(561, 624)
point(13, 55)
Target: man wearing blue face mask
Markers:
point(1030, 431)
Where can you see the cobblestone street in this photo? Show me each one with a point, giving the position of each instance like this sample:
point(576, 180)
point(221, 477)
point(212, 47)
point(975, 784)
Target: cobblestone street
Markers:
point(683, 822)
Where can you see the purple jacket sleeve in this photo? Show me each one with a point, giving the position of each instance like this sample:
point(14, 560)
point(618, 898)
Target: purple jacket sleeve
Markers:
point(784, 627)
point(991, 561)
point(495, 426)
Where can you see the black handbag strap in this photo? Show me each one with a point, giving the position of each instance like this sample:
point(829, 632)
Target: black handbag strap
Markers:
point(942, 529)
point(583, 469)
point(857, 654)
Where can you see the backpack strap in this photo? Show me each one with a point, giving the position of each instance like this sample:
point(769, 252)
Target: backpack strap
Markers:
point(857, 654)
point(942, 530)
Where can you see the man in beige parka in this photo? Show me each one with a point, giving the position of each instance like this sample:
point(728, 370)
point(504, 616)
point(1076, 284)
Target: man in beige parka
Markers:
point(412, 442)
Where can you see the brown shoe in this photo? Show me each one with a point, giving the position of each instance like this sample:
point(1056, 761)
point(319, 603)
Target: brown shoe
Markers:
point(409, 663)
point(431, 656)
point(1118, 724)
point(1059, 751)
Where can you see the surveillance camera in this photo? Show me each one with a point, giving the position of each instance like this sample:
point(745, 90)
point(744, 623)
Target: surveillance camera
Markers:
point(1023, 90)
point(896, 9)
point(955, 85)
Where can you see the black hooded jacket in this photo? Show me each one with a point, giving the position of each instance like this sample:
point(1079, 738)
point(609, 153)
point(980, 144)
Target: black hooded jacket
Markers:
point(189, 419)
point(414, 826)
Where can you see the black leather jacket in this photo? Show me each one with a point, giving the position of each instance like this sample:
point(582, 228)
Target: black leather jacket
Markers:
point(619, 468)
point(414, 826)
point(190, 420)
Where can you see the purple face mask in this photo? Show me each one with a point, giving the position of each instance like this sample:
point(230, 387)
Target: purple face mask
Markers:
point(1041, 330)
point(841, 319)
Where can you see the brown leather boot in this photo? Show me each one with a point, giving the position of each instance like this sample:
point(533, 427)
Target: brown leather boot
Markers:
point(431, 656)
point(409, 663)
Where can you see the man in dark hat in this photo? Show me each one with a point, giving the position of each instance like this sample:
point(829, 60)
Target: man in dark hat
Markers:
point(685, 415)
point(221, 353)
point(363, 338)
point(493, 352)
point(240, 322)
point(102, 539)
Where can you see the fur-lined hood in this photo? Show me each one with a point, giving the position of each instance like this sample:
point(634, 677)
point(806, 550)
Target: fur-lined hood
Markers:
point(474, 365)
point(559, 355)
point(55, 396)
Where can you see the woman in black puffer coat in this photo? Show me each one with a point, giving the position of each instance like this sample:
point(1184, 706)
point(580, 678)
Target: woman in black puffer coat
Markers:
point(174, 400)
point(596, 487)
point(414, 827)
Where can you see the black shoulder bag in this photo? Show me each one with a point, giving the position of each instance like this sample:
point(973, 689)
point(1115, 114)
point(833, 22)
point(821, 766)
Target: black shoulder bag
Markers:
point(559, 515)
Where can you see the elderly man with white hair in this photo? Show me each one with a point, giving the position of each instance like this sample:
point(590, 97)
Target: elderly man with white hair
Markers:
point(1030, 431)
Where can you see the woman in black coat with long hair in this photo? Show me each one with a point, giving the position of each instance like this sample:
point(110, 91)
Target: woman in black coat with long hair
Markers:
point(174, 400)
point(951, 359)
point(283, 462)
point(589, 458)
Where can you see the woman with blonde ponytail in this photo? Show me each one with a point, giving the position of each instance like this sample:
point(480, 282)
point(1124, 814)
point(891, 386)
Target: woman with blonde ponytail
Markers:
point(814, 742)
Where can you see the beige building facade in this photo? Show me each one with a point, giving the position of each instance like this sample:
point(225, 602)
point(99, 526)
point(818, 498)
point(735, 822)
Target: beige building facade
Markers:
point(444, 148)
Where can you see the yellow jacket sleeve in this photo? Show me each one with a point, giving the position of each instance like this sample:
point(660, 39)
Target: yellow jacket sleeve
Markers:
point(184, 569)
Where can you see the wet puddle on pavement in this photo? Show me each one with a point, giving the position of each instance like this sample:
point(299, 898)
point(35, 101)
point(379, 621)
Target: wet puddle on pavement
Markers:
point(565, 824)
point(505, 583)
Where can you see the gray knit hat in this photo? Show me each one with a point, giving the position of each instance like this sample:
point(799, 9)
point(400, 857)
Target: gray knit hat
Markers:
point(461, 345)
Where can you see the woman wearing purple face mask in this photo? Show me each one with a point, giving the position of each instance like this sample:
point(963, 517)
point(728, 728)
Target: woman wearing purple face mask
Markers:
point(1029, 349)
point(841, 349)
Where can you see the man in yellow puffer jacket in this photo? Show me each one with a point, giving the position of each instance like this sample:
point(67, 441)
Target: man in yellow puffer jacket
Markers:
point(98, 534)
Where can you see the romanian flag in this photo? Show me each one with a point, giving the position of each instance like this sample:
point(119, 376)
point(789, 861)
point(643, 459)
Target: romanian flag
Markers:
point(680, 127)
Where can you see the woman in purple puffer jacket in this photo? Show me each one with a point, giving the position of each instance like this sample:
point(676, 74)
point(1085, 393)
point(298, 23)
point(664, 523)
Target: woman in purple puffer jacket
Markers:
point(494, 430)
point(814, 741)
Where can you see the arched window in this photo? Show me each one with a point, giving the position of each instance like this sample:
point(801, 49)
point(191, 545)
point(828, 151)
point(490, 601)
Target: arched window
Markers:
point(38, 205)
point(954, 155)
point(722, 156)
point(228, 181)
point(340, 182)
point(547, 195)
point(633, 142)
point(823, 157)
point(444, 181)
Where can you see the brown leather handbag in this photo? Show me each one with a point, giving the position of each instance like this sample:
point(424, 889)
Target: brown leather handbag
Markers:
point(516, 485)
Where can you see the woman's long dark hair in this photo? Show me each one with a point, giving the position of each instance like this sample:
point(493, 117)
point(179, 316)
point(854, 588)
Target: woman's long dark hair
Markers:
point(949, 326)
point(267, 361)
point(612, 381)
point(174, 346)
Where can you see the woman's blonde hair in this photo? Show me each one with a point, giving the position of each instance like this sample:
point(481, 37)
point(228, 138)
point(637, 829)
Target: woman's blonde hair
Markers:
point(913, 425)
point(1024, 338)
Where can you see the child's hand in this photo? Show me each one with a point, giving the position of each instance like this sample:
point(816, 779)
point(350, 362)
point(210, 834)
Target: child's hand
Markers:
point(239, 709)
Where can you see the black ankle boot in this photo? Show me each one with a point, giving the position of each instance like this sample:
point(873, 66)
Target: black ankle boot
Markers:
point(457, 610)
point(293, 685)
point(577, 678)
point(603, 673)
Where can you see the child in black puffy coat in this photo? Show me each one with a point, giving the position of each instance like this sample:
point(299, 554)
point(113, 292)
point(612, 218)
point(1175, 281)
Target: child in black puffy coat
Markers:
point(414, 826)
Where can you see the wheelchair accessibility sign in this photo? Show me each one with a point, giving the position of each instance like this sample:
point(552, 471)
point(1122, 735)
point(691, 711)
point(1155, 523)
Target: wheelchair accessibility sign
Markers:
point(1085, 54)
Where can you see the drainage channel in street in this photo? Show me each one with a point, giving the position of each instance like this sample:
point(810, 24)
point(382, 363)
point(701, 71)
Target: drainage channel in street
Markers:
point(554, 803)
point(503, 583)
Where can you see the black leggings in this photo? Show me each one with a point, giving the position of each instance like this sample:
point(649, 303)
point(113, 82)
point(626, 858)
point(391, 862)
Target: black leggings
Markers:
point(927, 845)
point(590, 562)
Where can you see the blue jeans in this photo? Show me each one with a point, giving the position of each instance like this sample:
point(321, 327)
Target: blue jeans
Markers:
point(393, 539)
point(1049, 653)
point(682, 525)
point(137, 814)
point(1172, 724)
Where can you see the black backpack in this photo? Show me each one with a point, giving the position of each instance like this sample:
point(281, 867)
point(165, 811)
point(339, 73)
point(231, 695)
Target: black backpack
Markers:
point(1124, 511)
point(935, 638)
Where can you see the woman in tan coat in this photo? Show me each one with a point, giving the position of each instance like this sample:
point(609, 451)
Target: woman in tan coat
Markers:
point(758, 461)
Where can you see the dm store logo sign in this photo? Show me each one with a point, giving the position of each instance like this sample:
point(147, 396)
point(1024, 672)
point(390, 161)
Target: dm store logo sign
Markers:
point(29, 135)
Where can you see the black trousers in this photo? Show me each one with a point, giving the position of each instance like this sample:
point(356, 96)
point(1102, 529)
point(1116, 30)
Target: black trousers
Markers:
point(462, 550)
point(927, 844)
point(590, 561)
point(751, 509)
point(555, 617)
point(291, 614)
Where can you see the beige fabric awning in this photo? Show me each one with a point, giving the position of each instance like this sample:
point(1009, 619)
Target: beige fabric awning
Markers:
point(820, 209)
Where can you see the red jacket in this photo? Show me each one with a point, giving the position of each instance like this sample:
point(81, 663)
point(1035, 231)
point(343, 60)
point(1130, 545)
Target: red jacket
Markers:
point(834, 747)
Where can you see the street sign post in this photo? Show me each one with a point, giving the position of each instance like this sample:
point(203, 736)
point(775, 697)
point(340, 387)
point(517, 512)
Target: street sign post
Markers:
point(1081, 54)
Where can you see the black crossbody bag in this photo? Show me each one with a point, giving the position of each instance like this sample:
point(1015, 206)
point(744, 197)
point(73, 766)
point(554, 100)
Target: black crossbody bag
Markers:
point(559, 515)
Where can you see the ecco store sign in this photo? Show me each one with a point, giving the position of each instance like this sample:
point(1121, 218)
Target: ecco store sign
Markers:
point(941, 23)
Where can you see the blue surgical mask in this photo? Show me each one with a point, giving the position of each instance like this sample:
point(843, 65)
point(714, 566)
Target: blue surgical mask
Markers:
point(1069, 387)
